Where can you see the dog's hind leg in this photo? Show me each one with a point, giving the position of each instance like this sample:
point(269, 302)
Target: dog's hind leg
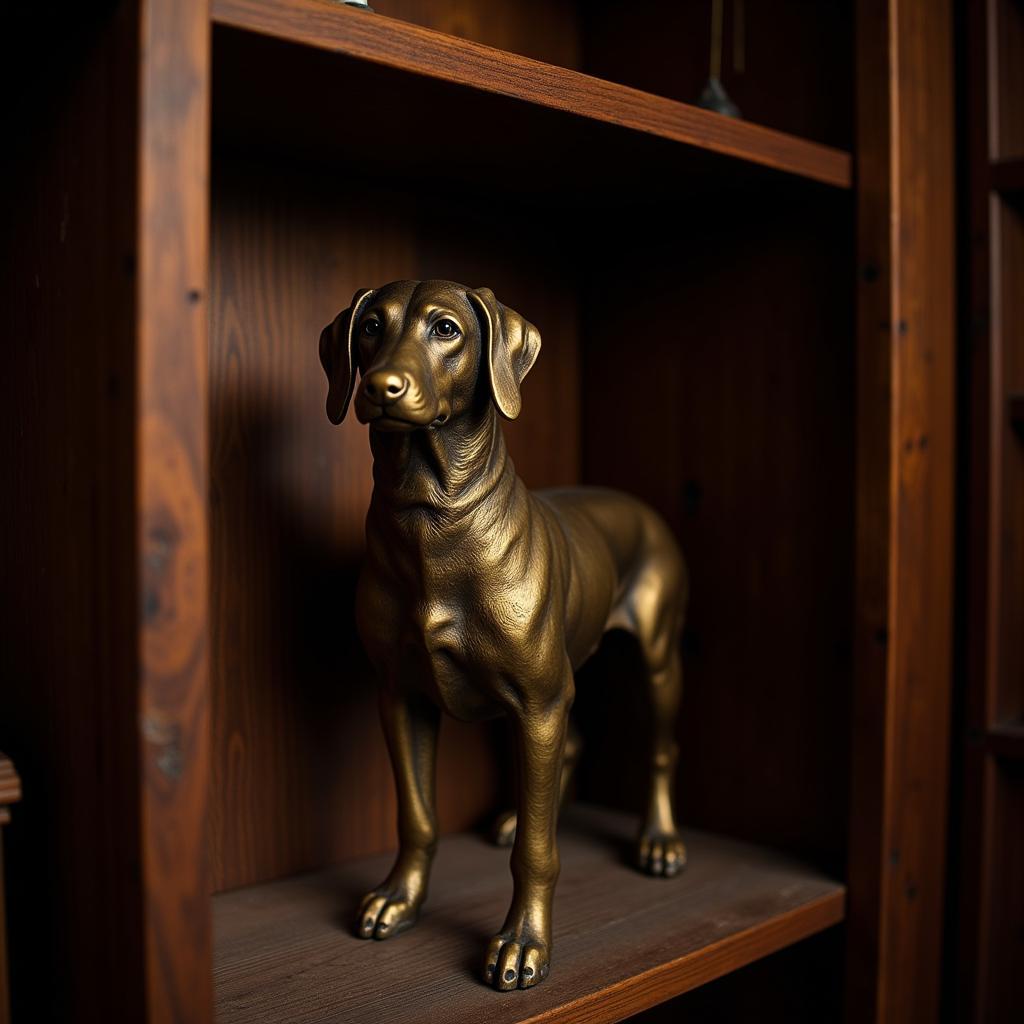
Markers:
point(659, 849)
point(503, 832)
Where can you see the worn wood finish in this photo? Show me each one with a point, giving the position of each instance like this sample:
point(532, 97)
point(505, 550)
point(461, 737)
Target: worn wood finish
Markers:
point(171, 532)
point(624, 941)
point(904, 557)
point(294, 713)
point(422, 52)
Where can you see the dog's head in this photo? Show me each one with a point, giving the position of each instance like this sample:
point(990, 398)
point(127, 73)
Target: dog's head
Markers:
point(427, 352)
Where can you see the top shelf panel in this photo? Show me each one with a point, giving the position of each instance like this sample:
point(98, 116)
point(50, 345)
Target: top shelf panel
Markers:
point(386, 42)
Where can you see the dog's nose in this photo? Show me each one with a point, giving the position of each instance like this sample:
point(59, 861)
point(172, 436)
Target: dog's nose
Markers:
point(385, 386)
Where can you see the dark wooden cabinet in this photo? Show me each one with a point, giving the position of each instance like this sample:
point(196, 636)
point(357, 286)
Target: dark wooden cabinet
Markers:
point(750, 324)
point(987, 912)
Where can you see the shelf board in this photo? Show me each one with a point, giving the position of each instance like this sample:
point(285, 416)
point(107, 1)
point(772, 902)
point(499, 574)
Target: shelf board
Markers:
point(1007, 176)
point(387, 42)
point(284, 951)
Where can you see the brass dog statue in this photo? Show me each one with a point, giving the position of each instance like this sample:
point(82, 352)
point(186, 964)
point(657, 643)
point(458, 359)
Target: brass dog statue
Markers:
point(482, 598)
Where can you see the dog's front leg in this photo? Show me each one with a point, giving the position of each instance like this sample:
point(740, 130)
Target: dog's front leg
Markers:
point(410, 726)
point(519, 955)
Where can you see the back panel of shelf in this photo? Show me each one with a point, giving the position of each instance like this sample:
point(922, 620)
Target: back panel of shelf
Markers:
point(697, 321)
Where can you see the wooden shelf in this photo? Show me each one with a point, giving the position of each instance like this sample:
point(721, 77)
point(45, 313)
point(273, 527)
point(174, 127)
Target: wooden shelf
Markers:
point(386, 42)
point(284, 951)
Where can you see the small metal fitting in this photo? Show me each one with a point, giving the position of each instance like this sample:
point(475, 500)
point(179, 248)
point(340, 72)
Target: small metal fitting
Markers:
point(361, 4)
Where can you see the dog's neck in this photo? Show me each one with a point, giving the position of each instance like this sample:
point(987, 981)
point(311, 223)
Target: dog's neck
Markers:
point(446, 471)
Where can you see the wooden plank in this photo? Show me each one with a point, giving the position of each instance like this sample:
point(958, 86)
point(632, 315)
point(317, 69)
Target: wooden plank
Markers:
point(171, 494)
point(623, 942)
point(69, 695)
point(905, 464)
point(395, 44)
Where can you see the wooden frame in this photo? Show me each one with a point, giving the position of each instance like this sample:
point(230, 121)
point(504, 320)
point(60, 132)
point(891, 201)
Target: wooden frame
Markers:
point(149, 710)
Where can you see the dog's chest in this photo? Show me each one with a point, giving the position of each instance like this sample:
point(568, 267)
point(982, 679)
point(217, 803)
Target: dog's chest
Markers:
point(429, 627)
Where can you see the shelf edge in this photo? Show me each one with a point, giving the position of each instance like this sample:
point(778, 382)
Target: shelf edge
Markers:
point(666, 981)
point(378, 39)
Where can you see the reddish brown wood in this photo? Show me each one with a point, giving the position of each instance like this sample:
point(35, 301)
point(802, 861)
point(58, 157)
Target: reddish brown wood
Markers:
point(1006, 100)
point(173, 550)
point(68, 682)
point(992, 700)
point(662, 48)
point(905, 462)
point(724, 396)
point(623, 943)
point(394, 44)
point(544, 30)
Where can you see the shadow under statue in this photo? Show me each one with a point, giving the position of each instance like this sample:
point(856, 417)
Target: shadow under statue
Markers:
point(481, 597)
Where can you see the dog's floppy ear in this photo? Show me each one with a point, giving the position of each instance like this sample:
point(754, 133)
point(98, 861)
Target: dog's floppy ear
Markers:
point(338, 355)
point(510, 345)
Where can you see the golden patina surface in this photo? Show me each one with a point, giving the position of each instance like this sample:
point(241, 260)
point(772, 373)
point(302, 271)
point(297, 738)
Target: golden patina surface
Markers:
point(482, 598)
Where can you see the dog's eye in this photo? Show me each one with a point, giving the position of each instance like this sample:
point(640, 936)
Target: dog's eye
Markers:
point(371, 327)
point(446, 329)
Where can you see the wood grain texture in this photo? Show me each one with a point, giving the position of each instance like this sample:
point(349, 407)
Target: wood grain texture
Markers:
point(905, 467)
point(171, 456)
point(663, 49)
point(722, 393)
point(623, 941)
point(68, 597)
point(540, 29)
point(423, 52)
point(991, 700)
point(1006, 102)
point(300, 772)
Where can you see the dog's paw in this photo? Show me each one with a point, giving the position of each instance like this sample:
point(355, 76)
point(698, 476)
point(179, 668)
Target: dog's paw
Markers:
point(662, 854)
point(516, 961)
point(503, 831)
point(385, 913)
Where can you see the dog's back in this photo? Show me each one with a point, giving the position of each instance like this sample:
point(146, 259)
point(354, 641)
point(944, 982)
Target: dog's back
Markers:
point(649, 595)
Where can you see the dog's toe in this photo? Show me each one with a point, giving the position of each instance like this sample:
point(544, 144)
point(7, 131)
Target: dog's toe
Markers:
point(513, 963)
point(382, 916)
point(660, 854)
